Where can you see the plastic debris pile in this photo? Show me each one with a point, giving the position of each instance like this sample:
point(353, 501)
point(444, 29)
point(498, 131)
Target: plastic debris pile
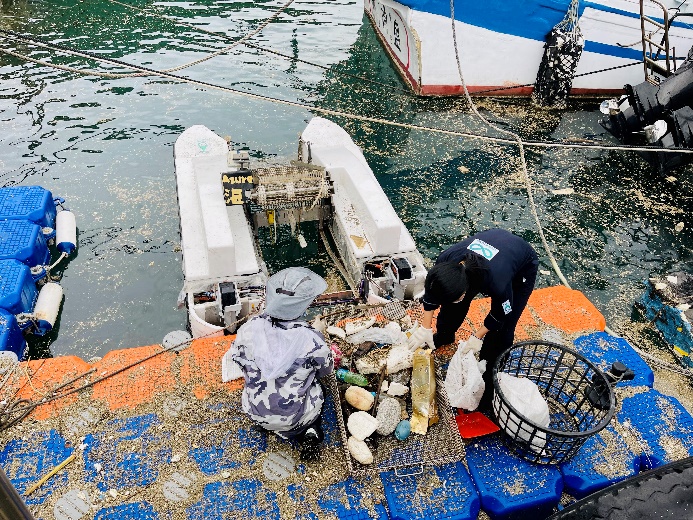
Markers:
point(395, 413)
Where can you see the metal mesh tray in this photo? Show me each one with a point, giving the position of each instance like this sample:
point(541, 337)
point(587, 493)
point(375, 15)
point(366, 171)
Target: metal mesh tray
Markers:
point(441, 444)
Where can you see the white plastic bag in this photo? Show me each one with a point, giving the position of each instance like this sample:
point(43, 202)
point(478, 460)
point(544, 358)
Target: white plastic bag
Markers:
point(390, 334)
point(463, 382)
point(523, 395)
point(230, 370)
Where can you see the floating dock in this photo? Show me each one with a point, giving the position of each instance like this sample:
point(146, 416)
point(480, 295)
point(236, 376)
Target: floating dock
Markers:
point(160, 437)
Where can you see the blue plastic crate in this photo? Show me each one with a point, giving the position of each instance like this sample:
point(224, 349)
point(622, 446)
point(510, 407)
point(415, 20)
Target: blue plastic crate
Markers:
point(23, 241)
point(603, 350)
point(18, 292)
point(659, 425)
point(511, 488)
point(450, 495)
point(603, 460)
point(32, 203)
point(11, 338)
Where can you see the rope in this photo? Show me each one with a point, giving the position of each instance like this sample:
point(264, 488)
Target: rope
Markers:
point(655, 360)
point(337, 262)
point(346, 74)
point(599, 71)
point(304, 106)
point(214, 54)
point(62, 255)
point(518, 140)
point(263, 49)
point(24, 407)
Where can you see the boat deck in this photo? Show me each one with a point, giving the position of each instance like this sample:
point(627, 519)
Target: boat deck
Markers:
point(165, 439)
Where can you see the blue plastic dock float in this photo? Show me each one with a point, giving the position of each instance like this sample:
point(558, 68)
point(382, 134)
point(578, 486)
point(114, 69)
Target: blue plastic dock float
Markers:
point(26, 461)
point(345, 501)
point(18, 292)
point(452, 494)
point(660, 425)
point(603, 350)
point(23, 241)
point(32, 203)
point(603, 460)
point(131, 511)
point(11, 338)
point(125, 468)
point(511, 488)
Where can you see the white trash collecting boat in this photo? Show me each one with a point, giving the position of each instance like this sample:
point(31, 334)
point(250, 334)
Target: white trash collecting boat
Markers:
point(223, 203)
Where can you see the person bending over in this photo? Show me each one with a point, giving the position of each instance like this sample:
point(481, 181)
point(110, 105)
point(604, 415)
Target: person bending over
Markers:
point(282, 358)
point(494, 263)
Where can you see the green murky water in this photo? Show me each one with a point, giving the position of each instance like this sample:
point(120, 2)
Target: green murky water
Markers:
point(106, 146)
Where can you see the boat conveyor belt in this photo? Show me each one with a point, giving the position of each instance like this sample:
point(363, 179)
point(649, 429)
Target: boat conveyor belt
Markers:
point(166, 439)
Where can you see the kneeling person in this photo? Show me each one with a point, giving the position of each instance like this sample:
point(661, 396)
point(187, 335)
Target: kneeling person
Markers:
point(282, 358)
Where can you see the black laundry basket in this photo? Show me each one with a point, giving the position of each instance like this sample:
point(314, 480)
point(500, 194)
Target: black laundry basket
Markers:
point(565, 379)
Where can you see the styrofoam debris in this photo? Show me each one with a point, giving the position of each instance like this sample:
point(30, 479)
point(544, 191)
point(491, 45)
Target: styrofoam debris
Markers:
point(336, 331)
point(352, 327)
point(397, 389)
point(360, 450)
point(361, 425)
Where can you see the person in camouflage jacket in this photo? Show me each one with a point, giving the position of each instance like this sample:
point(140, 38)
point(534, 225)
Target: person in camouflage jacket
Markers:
point(282, 359)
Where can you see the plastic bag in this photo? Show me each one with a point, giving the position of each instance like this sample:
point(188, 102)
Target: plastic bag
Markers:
point(230, 370)
point(390, 334)
point(523, 395)
point(423, 392)
point(463, 382)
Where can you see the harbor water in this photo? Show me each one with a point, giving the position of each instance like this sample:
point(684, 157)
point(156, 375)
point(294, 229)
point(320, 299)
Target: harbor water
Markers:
point(105, 145)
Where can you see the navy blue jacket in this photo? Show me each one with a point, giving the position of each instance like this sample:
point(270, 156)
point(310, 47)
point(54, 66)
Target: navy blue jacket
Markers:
point(507, 257)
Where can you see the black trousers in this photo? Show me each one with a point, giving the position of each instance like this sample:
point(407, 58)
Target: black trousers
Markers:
point(496, 342)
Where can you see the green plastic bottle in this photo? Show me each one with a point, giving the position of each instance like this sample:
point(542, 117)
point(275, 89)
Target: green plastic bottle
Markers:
point(346, 376)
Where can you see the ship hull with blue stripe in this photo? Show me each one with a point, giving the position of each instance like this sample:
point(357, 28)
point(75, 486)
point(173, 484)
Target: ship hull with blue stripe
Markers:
point(501, 43)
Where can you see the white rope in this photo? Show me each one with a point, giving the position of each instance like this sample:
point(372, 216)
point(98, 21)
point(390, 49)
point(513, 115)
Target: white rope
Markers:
point(518, 140)
point(214, 54)
point(653, 359)
point(311, 108)
point(62, 255)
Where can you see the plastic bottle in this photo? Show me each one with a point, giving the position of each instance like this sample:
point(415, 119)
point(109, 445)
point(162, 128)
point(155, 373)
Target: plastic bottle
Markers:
point(346, 376)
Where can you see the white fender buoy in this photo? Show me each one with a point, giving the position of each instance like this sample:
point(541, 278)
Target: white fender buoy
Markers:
point(48, 305)
point(65, 232)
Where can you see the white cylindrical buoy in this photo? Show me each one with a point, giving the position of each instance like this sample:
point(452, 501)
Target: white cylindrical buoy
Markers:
point(65, 232)
point(48, 306)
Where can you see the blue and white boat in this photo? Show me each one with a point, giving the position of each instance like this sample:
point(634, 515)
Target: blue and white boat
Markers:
point(501, 42)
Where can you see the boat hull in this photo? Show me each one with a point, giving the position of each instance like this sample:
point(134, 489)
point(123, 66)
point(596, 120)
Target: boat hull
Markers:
point(499, 58)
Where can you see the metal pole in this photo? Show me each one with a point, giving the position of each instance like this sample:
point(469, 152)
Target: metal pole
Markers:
point(12, 507)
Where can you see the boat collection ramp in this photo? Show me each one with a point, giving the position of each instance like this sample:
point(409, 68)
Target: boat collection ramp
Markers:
point(152, 434)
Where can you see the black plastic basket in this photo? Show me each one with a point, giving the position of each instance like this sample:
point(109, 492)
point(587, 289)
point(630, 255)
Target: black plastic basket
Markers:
point(566, 380)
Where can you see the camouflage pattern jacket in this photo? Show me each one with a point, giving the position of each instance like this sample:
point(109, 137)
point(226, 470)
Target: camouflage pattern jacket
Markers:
point(293, 399)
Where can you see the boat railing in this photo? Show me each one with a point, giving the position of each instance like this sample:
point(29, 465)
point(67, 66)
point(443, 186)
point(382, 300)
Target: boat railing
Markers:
point(655, 64)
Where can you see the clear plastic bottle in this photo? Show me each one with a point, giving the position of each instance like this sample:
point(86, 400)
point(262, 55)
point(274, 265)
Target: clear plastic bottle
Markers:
point(346, 376)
